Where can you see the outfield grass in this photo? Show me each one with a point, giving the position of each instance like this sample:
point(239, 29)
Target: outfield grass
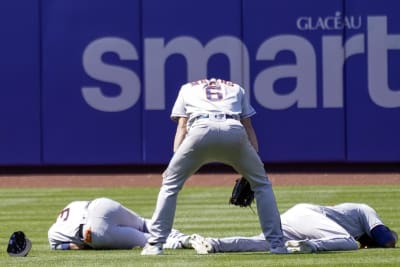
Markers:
point(200, 210)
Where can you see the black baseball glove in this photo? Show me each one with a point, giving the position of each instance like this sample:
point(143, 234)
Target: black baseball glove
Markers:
point(242, 195)
point(18, 245)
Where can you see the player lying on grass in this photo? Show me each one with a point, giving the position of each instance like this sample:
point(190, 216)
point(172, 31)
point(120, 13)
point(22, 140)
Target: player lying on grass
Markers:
point(311, 228)
point(104, 224)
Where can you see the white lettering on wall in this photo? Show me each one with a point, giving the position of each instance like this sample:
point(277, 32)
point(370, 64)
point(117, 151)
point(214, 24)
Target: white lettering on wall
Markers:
point(379, 42)
point(157, 52)
point(126, 79)
point(335, 52)
point(305, 94)
point(329, 23)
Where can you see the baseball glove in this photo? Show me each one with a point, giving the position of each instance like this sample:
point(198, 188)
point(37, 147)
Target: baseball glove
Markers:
point(18, 245)
point(242, 195)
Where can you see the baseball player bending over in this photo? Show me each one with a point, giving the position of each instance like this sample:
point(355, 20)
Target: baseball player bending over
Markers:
point(311, 228)
point(104, 224)
point(214, 125)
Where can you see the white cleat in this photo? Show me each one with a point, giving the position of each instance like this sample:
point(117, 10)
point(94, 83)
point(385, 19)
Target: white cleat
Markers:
point(155, 249)
point(299, 246)
point(185, 242)
point(200, 244)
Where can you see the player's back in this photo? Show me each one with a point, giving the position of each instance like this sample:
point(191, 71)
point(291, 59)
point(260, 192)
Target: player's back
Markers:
point(356, 218)
point(214, 95)
point(67, 223)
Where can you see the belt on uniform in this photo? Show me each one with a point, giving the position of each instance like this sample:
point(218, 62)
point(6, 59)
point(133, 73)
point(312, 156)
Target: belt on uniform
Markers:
point(80, 229)
point(217, 116)
point(87, 238)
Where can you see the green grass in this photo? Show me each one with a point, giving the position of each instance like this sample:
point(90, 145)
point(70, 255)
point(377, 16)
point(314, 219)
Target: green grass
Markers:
point(200, 210)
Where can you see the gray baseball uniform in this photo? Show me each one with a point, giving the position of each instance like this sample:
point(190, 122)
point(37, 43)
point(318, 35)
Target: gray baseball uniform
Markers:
point(215, 133)
point(111, 226)
point(326, 227)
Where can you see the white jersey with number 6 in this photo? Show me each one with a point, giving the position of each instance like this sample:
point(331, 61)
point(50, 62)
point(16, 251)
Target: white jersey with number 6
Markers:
point(203, 96)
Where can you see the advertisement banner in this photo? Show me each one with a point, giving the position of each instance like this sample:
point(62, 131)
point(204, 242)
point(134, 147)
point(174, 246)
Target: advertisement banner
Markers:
point(93, 82)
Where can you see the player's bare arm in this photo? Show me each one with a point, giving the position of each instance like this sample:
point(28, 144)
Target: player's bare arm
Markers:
point(76, 246)
point(69, 246)
point(250, 132)
point(180, 132)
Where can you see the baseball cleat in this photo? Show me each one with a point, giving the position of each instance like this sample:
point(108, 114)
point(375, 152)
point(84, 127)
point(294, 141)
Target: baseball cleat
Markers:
point(200, 244)
point(185, 242)
point(152, 249)
point(299, 246)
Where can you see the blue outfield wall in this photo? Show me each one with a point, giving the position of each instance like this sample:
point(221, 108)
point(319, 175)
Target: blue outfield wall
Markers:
point(20, 128)
point(373, 83)
point(287, 75)
point(93, 82)
point(91, 72)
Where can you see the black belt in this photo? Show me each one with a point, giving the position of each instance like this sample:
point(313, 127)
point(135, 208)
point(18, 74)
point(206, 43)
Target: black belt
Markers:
point(227, 116)
point(80, 231)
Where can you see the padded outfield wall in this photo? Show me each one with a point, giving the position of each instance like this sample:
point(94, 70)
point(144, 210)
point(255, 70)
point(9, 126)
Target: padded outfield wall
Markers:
point(93, 82)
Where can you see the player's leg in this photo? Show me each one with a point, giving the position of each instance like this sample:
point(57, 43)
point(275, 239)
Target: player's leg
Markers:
point(114, 213)
point(177, 240)
point(322, 233)
point(247, 162)
point(188, 158)
point(105, 222)
point(119, 237)
point(126, 217)
point(239, 244)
